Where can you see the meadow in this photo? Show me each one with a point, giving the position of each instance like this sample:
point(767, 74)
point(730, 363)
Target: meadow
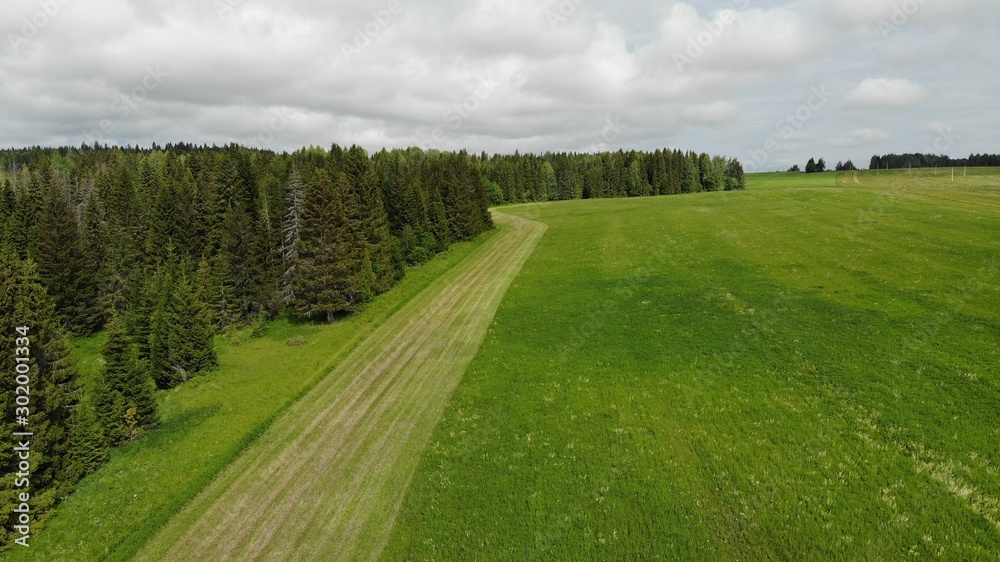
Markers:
point(207, 423)
point(806, 370)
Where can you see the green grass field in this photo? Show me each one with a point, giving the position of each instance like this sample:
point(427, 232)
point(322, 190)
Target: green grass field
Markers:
point(206, 424)
point(806, 370)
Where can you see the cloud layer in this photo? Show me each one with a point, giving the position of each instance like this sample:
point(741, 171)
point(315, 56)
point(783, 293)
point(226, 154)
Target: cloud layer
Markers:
point(502, 75)
point(887, 93)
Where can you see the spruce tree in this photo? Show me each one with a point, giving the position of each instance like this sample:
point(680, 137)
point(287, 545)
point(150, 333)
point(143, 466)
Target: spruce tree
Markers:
point(291, 232)
point(634, 181)
point(124, 384)
point(549, 184)
point(690, 182)
point(163, 220)
point(94, 242)
point(373, 220)
point(63, 268)
point(88, 445)
point(240, 268)
point(329, 277)
point(160, 326)
point(735, 178)
point(190, 339)
point(21, 223)
point(26, 322)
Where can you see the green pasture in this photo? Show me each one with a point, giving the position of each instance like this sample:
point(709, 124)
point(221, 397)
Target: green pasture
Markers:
point(806, 370)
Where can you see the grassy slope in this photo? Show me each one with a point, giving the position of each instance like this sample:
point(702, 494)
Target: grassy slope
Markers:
point(325, 481)
point(798, 371)
point(206, 423)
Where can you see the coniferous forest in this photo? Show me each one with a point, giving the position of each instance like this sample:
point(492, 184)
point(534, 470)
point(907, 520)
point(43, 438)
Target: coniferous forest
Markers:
point(918, 160)
point(165, 247)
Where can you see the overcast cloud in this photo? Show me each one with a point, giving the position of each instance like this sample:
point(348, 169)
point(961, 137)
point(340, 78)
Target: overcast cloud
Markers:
point(770, 82)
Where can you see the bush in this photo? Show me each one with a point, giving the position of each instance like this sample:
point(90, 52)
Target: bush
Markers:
point(420, 254)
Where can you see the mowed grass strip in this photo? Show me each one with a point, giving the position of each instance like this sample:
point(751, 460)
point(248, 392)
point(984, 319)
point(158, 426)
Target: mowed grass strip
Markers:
point(326, 480)
point(800, 371)
point(206, 423)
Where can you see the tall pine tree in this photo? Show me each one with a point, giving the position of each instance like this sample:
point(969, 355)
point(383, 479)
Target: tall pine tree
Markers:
point(124, 384)
point(291, 232)
point(62, 263)
point(27, 330)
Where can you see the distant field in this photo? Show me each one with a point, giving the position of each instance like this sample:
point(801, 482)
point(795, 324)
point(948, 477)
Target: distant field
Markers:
point(771, 180)
point(806, 370)
point(972, 185)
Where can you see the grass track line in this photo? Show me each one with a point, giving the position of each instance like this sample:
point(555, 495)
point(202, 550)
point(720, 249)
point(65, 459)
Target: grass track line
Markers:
point(327, 479)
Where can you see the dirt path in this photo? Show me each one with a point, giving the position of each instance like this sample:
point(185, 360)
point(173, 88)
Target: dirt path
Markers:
point(326, 481)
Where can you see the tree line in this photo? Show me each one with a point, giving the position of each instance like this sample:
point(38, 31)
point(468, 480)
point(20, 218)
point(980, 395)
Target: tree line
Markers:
point(918, 160)
point(521, 178)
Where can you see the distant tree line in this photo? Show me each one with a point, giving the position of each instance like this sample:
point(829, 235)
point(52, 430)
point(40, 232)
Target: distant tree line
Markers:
point(917, 160)
point(559, 176)
point(815, 166)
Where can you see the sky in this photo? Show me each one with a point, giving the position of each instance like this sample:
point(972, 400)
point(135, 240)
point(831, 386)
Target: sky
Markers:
point(772, 83)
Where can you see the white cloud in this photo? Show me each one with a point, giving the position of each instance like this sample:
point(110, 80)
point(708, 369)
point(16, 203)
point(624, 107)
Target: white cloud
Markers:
point(555, 85)
point(887, 93)
point(756, 41)
point(716, 113)
point(903, 12)
point(869, 135)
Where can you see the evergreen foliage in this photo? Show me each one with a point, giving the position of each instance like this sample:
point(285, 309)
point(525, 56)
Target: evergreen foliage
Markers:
point(125, 384)
point(918, 160)
point(88, 445)
point(27, 322)
point(559, 176)
point(62, 264)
